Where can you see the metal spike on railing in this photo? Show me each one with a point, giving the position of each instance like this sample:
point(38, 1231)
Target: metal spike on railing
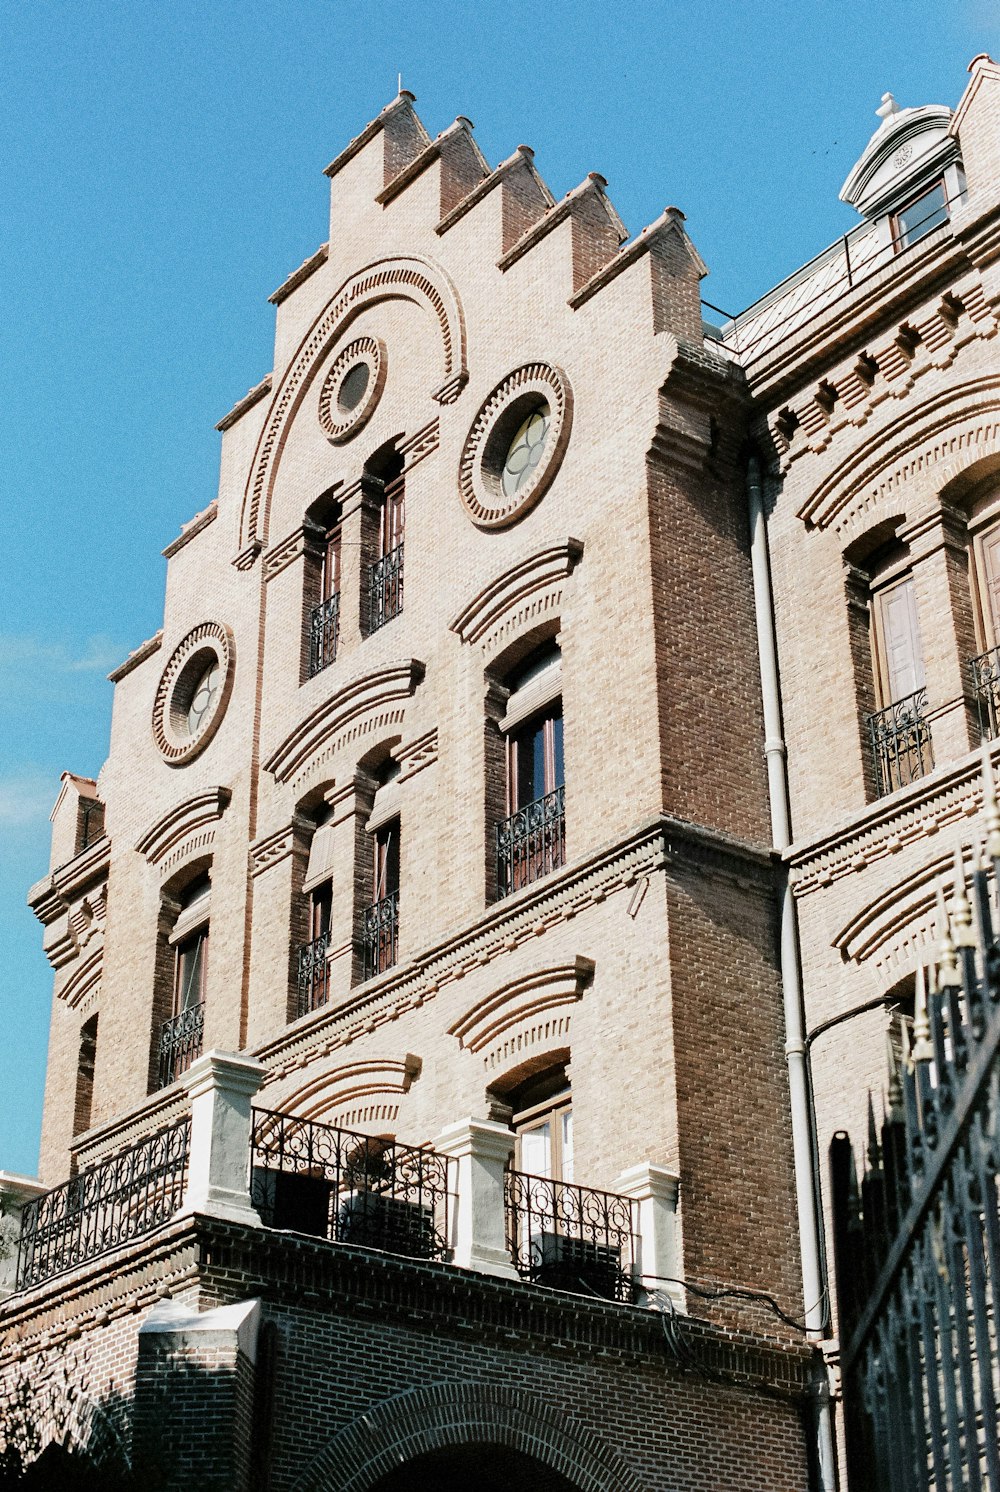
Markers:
point(961, 911)
point(922, 1050)
point(947, 964)
point(894, 1097)
point(991, 811)
point(874, 1148)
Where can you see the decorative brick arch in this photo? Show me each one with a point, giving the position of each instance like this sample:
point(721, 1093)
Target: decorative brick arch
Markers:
point(918, 455)
point(410, 279)
point(454, 1414)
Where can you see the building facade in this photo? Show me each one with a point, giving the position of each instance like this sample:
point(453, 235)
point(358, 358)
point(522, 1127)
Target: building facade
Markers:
point(443, 951)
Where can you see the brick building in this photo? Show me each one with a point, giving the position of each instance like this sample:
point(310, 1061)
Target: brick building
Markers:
point(431, 1044)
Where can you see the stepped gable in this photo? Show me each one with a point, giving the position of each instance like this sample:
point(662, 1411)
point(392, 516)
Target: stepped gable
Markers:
point(403, 139)
point(597, 232)
point(462, 167)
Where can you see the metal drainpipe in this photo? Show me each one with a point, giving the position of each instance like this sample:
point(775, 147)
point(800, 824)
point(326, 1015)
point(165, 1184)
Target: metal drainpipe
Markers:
point(807, 1202)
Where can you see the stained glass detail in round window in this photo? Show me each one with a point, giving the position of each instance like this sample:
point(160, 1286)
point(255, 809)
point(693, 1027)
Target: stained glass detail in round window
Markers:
point(203, 698)
point(352, 389)
point(525, 450)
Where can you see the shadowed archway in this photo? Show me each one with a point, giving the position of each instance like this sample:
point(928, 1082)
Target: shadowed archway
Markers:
point(475, 1468)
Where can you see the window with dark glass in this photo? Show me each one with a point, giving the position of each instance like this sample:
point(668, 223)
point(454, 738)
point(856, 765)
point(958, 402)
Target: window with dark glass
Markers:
point(324, 621)
point(313, 966)
point(85, 1076)
point(385, 576)
point(382, 917)
point(531, 838)
point(920, 216)
point(181, 1035)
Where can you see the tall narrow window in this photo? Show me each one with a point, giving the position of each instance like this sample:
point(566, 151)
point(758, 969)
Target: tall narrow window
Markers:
point(324, 621)
point(181, 1035)
point(381, 930)
point(85, 1076)
point(531, 839)
point(985, 666)
point(385, 576)
point(899, 732)
point(313, 957)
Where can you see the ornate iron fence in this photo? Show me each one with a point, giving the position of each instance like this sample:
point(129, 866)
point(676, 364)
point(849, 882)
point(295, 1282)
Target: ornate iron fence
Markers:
point(901, 742)
point(532, 842)
point(571, 1237)
point(985, 670)
point(118, 1199)
point(385, 589)
point(324, 633)
point(313, 975)
point(380, 935)
point(349, 1187)
point(180, 1043)
point(918, 1236)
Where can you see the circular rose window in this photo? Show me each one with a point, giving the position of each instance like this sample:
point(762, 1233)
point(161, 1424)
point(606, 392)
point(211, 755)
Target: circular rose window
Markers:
point(352, 388)
point(515, 446)
point(193, 692)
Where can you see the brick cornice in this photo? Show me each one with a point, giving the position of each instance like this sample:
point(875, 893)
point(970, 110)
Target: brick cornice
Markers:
point(946, 796)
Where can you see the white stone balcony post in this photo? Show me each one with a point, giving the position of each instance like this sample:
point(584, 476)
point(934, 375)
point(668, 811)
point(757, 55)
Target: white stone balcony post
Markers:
point(15, 1193)
point(481, 1149)
point(658, 1262)
point(221, 1086)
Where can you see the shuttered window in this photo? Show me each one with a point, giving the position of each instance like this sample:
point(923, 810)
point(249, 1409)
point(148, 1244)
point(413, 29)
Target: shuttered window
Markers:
point(898, 646)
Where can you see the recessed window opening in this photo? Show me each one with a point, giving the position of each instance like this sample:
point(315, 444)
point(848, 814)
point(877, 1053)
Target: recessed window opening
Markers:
point(899, 733)
point(86, 1062)
point(385, 574)
point(181, 1035)
point(313, 971)
point(543, 1122)
point(324, 616)
point(531, 839)
point(925, 212)
point(353, 387)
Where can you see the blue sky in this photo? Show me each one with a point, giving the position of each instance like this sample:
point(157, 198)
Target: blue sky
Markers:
point(162, 173)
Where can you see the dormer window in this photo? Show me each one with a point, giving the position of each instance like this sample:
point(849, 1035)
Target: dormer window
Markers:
point(921, 215)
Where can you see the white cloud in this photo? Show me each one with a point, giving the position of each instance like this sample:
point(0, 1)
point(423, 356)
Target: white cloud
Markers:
point(25, 652)
point(26, 798)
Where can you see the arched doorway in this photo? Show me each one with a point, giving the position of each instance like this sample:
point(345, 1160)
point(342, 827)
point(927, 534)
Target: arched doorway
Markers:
point(474, 1468)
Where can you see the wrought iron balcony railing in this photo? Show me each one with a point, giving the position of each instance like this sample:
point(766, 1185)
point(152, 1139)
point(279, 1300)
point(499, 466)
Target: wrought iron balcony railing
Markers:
point(572, 1237)
point(313, 975)
point(385, 589)
point(901, 742)
point(380, 935)
point(351, 1188)
point(985, 670)
point(118, 1199)
point(531, 842)
point(324, 633)
point(180, 1042)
